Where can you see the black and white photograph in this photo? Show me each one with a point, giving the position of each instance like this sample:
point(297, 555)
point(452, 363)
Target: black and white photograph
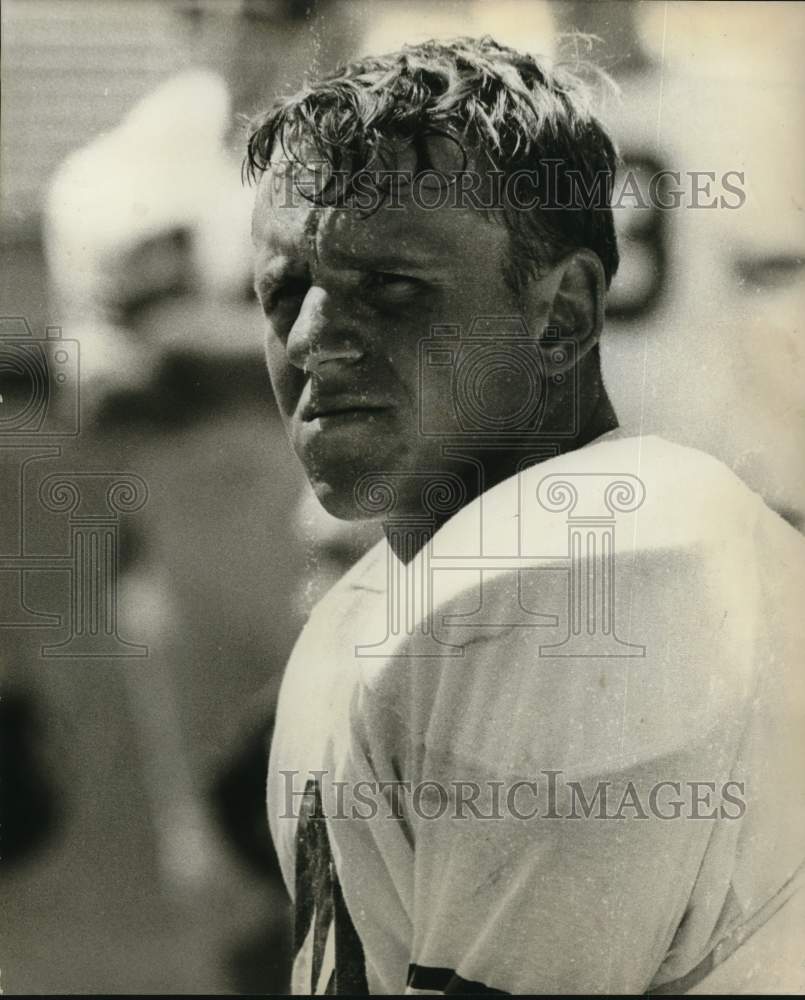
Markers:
point(402, 497)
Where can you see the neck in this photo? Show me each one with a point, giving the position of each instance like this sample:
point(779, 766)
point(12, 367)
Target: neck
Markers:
point(481, 468)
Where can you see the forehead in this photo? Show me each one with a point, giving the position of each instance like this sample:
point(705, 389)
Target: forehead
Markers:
point(286, 223)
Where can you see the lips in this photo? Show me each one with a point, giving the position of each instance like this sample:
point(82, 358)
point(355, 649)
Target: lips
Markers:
point(341, 405)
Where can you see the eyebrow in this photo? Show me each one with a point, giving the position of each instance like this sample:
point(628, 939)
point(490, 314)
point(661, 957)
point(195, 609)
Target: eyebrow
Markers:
point(280, 268)
point(368, 261)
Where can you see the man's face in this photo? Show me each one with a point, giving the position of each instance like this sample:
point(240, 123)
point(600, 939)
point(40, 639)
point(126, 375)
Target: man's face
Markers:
point(347, 300)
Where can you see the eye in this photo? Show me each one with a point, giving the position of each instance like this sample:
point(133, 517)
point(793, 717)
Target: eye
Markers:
point(391, 285)
point(284, 294)
point(775, 271)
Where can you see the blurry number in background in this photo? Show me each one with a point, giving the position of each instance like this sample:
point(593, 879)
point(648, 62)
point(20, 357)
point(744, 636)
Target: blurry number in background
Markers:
point(639, 285)
point(718, 363)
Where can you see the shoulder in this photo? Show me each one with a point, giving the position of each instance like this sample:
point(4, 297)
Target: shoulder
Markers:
point(605, 603)
point(667, 495)
point(656, 495)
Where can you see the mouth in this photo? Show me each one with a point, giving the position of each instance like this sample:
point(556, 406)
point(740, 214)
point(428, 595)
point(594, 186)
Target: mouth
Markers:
point(343, 409)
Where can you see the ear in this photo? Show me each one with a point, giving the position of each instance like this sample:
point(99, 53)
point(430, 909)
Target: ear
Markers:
point(571, 298)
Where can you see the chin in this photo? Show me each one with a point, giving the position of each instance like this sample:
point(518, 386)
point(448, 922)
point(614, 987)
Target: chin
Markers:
point(356, 485)
point(339, 501)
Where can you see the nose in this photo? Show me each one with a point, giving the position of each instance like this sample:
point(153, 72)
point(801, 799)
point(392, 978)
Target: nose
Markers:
point(320, 335)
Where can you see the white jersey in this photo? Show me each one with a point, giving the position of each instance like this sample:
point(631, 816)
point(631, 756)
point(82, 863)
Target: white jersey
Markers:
point(560, 750)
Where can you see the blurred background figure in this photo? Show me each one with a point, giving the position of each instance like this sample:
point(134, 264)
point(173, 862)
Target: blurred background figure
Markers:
point(147, 216)
point(125, 222)
point(715, 356)
point(137, 857)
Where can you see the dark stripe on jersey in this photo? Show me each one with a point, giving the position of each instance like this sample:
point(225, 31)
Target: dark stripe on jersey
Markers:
point(320, 903)
point(350, 964)
point(447, 981)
